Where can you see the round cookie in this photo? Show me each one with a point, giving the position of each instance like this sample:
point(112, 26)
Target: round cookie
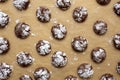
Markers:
point(4, 45)
point(116, 41)
point(80, 14)
point(59, 59)
point(79, 44)
point(107, 76)
point(4, 19)
point(85, 71)
point(100, 27)
point(22, 30)
point(118, 67)
point(25, 77)
point(43, 47)
point(71, 77)
point(5, 71)
point(98, 55)
point(117, 8)
point(24, 59)
point(42, 73)
point(63, 4)
point(21, 4)
point(59, 31)
point(3, 0)
point(103, 2)
point(43, 14)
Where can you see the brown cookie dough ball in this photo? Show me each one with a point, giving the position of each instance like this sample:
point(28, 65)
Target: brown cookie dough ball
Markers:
point(118, 67)
point(98, 55)
point(71, 77)
point(63, 4)
point(5, 71)
point(59, 59)
point(21, 4)
point(59, 31)
point(4, 19)
point(43, 14)
point(42, 73)
point(85, 71)
point(43, 47)
point(22, 30)
point(107, 76)
point(116, 41)
point(3, 0)
point(79, 44)
point(100, 27)
point(24, 59)
point(4, 45)
point(117, 8)
point(103, 2)
point(80, 14)
point(25, 77)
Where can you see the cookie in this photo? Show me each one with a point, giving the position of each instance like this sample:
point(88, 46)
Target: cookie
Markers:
point(71, 77)
point(4, 19)
point(4, 45)
point(42, 73)
point(116, 41)
point(24, 59)
point(79, 44)
point(118, 67)
point(63, 4)
point(98, 55)
point(43, 14)
point(22, 30)
point(59, 59)
point(43, 47)
point(59, 31)
point(103, 2)
point(80, 14)
point(5, 71)
point(100, 27)
point(117, 8)
point(25, 77)
point(107, 76)
point(21, 4)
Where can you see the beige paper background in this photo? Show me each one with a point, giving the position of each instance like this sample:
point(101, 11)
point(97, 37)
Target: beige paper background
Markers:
point(43, 31)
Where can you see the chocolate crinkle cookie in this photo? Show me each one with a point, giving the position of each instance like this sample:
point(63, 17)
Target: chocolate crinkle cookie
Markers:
point(63, 4)
point(43, 14)
point(98, 55)
point(4, 19)
point(21, 4)
point(24, 59)
point(3, 0)
point(71, 77)
point(116, 41)
point(22, 30)
point(80, 14)
point(25, 77)
point(103, 2)
point(85, 71)
point(4, 45)
point(42, 73)
point(107, 76)
point(59, 59)
point(118, 67)
point(79, 44)
point(59, 31)
point(117, 8)
point(100, 27)
point(43, 47)
point(5, 71)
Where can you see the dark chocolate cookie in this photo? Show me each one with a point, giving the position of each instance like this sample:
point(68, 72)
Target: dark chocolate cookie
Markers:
point(43, 47)
point(59, 59)
point(80, 14)
point(42, 73)
point(107, 76)
point(63, 4)
point(59, 31)
point(3, 0)
point(116, 41)
point(22, 30)
point(85, 71)
point(117, 8)
point(103, 2)
point(71, 77)
point(100, 27)
point(4, 19)
point(5, 71)
point(43, 14)
point(25, 77)
point(118, 67)
point(21, 4)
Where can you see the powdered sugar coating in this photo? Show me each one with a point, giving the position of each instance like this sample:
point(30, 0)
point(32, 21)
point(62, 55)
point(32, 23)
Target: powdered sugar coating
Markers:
point(43, 47)
point(59, 31)
point(118, 67)
point(42, 73)
point(85, 71)
point(117, 8)
point(116, 41)
point(25, 77)
point(71, 77)
point(107, 76)
point(59, 59)
point(103, 2)
point(5, 71)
